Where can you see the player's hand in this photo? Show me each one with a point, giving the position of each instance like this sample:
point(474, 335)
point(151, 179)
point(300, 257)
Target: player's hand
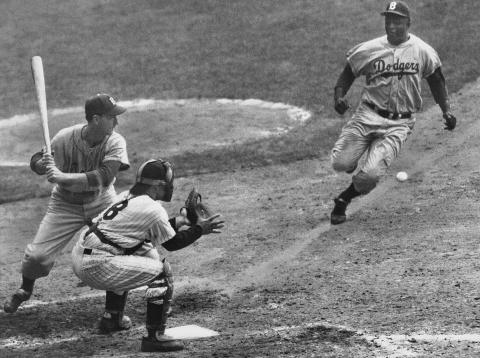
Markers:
point(450, 121)
point(341, 105)
point(47, 160)
point(54, 175)
point(211, 224)
point(182, 219)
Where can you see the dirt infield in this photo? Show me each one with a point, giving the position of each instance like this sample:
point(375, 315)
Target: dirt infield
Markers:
point(398, 279)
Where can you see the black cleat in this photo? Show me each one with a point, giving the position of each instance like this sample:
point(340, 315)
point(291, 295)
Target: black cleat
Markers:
point(16, 300)
point(111, 325)
point(164, 344)
point(338, 215)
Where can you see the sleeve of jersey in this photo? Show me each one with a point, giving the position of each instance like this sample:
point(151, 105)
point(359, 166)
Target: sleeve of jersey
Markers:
point(358, 58)
point(104, 175)
point(58, 144)
point(431, 60)
point(116, 150)
point(161, 230)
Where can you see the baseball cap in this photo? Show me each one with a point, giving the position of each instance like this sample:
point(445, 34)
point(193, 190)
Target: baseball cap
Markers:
point(397, 8)
point(155, 172)
point(102, 103)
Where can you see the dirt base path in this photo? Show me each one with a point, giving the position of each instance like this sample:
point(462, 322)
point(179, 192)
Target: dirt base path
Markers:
point(398, 279)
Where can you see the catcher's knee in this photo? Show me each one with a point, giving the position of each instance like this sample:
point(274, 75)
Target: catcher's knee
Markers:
point(365, 182)
point(160, 290)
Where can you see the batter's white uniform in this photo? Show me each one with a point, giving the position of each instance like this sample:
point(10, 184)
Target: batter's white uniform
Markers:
point(129, 222)
point(393, 77)
point(68, 211)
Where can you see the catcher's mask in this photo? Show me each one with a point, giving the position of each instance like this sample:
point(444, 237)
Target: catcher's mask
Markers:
point(157, 172)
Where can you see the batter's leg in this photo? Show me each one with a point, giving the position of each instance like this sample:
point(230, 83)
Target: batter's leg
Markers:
point(53, 235)
point(57, 228)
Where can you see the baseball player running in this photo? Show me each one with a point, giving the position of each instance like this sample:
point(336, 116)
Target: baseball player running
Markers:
point(83, 168)
point(393, 66)
point(118, 253)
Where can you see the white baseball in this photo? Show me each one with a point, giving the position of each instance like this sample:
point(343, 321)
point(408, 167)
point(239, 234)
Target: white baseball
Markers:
point(402, 176)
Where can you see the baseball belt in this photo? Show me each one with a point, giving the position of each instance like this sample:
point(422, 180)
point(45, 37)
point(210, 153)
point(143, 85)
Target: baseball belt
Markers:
point(386, 114)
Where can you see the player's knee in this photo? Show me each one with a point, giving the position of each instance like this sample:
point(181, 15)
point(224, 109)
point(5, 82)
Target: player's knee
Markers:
point(38, 258)
point(340, 165)
point(365, 182)
point(36, 265)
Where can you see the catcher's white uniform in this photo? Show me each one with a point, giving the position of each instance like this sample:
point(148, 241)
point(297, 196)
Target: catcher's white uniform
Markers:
point(132, 221)
point(385, 115)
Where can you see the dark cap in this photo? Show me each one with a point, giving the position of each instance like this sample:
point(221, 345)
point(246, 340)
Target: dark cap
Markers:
point(101, 104)
point(397, 8)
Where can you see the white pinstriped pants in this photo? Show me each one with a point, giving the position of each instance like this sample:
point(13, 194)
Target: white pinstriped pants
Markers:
point(118, 273)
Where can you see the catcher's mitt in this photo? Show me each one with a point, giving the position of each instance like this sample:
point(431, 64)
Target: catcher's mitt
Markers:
point(195, 208)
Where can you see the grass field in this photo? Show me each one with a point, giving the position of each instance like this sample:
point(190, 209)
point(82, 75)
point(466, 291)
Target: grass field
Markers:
point(277, 50)
point(281, 51)
point(404, 264)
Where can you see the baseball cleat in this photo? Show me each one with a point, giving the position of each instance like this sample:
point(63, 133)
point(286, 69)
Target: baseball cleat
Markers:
point(16, 300)
point(338, 215)
point(114, 324)
point(163, 343)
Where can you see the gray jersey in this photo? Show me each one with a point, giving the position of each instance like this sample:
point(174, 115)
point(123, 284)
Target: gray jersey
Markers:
point(393, 74)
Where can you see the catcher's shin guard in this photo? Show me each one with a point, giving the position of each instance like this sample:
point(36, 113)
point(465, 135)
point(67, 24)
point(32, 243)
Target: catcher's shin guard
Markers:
point(159, 295)
point(159, 299)
point(113, 319)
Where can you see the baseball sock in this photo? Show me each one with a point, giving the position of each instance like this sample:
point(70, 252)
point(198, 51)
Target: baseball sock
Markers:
point(348, 194)
point(154, 319)
point(27, 284)
point(115, 304)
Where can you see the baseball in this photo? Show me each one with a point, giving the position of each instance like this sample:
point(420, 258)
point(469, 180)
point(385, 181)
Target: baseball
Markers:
point(402, 176)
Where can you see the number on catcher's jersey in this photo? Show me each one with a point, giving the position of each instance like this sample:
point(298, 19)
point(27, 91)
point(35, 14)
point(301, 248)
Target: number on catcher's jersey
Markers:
point(114, 209)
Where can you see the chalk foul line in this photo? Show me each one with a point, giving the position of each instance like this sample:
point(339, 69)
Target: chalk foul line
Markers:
point(395, 345)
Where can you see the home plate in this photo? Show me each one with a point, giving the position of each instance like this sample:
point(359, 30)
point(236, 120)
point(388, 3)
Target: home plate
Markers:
point(190, 331)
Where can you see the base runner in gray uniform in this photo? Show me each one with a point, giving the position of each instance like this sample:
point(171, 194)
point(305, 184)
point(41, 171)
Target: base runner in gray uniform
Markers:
point(83, 165)
point(121, 251)
point(394, 66)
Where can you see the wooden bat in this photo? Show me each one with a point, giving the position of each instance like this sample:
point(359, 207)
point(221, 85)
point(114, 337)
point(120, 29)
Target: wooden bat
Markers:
point(39, 80)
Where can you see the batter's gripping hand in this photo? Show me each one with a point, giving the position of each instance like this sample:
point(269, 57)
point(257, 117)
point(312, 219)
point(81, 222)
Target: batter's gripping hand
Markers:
point(450, 121)
point(341, 105)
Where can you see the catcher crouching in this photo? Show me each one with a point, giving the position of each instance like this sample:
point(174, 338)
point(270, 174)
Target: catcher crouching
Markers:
point(119, 251)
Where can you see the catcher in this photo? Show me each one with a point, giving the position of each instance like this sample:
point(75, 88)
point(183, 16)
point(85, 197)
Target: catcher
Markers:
point(119, 251)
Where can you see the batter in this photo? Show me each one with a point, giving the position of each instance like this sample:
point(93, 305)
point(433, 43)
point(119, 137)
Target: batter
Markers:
point(394, 66)
point(83, 167)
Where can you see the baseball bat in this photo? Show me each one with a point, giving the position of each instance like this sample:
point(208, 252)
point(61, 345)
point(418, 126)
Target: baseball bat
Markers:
point(39, 80)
